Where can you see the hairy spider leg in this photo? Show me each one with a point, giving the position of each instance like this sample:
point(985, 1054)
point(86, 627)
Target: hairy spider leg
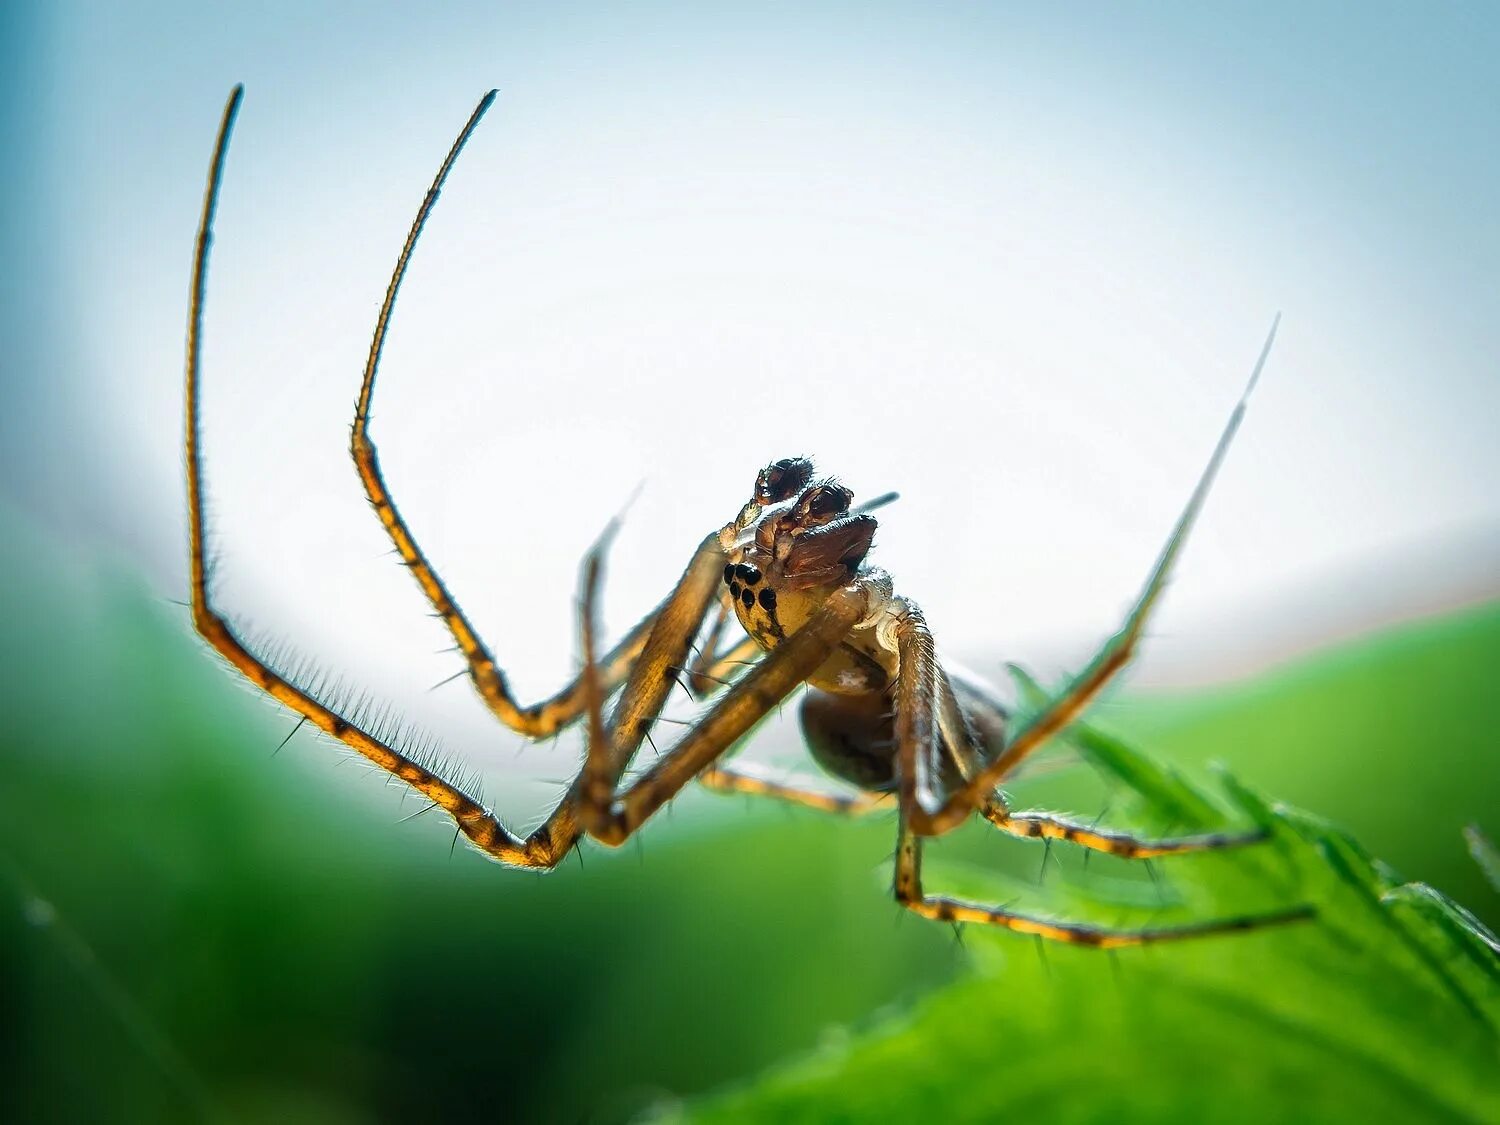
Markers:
point(927, 758)
point(936, 748)
point(543, 848)
point(538, 720)
point(708, 651)
point(737, 779)
point(909, 893)
point(713, 666)
point(933, 820)
point(989, 717)
point(1031, 824)
point(1046, 826)
point(608, 813)
point(661, 642)
point(713, 671)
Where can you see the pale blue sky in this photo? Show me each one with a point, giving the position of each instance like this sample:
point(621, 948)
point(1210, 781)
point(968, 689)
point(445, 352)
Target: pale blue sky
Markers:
point(1013, 261)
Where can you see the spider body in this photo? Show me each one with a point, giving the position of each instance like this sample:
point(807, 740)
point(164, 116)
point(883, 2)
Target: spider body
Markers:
point(879, 712)
point(851, 737)
point(804, 544)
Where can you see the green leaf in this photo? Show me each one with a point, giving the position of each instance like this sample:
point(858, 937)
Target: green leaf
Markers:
point(1482, 848)
point(1385, 1008)
point(1159, 788)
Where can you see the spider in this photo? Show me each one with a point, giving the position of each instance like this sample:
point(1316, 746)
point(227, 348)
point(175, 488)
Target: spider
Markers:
point(880, 712)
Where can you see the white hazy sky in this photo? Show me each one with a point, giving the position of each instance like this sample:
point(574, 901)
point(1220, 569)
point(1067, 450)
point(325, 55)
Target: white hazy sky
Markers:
point(1013, 264)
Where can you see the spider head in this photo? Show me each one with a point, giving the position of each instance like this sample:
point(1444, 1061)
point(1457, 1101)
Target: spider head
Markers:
point(799, 531)
point(811, 539)
point(817, 505)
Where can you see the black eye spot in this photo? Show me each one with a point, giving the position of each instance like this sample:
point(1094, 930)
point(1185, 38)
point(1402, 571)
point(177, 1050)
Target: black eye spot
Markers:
point(729, 572)
point(734, 589)
point(768, 599)
point(749, 575)
point(748, 597)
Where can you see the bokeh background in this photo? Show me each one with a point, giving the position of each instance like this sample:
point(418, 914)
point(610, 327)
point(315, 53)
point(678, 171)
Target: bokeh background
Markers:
point(1015, 262)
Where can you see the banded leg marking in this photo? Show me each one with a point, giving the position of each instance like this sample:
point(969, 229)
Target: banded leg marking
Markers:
point(1113, 656)
point(942, 908)
point(730, 779)
point(537, 720)
point(610, 816)
point(1039, 825)
point(543, 848)
point(936, 748)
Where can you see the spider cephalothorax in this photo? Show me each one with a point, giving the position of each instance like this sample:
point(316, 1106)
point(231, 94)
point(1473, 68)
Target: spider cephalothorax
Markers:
point(814, 540)
point(880, 712)
point(783, 568)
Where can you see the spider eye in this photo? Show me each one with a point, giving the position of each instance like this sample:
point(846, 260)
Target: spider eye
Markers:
point(782, 479)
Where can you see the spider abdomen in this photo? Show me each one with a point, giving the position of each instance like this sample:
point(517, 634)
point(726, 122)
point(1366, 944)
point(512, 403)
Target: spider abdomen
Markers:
point(851, 738)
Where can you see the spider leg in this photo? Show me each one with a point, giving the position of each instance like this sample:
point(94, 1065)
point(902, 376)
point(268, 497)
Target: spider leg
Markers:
point(936, 748)
point(909, 893)
point(711, 673)
point(712, 667)
point(537, 719)
point(1040, 825)
point(611, 816)
point(926, 766)
point(709, 644)
point(928, 820)
point(731, 779)
point(543, 848)
point(650, 680)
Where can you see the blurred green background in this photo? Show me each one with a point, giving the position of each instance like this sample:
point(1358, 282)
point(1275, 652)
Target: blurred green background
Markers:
point(195, 927)
point(1012, 260)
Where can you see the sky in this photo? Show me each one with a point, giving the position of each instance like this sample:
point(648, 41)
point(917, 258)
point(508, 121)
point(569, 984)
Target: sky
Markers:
point(1014, 261)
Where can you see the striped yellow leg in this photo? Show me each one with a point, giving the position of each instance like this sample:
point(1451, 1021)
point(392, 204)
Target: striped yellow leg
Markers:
point(549, 843)
point(936, 747)
point(942, 908)
point(1040, 825)
point(733, 779)
point(926, 766)
point(543, 848)
point(536, 719)
point(612, 816)
point(650, 680)
point(932, 820)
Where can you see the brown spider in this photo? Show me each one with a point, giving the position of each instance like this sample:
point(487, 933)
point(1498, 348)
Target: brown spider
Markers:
point(880, 712)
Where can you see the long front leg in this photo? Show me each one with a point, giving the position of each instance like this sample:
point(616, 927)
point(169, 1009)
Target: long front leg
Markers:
point(537, 719)
point(1113, 656)
point(543, 848)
